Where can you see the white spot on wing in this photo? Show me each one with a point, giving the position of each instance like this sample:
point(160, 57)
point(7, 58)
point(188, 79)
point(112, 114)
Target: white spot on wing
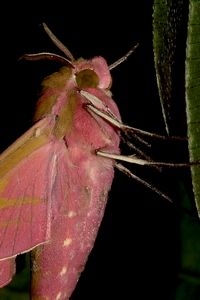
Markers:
point(58, 296)
point(37, 132)
point(63, 271)
point(71, 214)
point(67, 242)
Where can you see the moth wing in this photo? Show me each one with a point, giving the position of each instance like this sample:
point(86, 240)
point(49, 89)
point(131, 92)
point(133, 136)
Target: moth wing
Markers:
point(27, 169)
point(7, 270)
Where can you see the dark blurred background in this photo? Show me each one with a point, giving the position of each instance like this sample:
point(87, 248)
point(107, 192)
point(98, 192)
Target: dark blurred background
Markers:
point(136, 254)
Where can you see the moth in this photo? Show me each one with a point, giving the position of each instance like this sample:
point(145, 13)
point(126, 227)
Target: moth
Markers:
point(55, 179)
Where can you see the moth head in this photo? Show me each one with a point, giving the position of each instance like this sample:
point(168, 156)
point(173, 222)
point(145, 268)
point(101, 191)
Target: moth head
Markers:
point(87, 78)
point(92, 73)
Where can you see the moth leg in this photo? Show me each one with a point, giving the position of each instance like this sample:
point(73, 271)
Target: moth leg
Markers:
point(123, 169)
point(138, 161)
point(128, 129)
point(135, 160)
point(97, 106)
point(131, 159)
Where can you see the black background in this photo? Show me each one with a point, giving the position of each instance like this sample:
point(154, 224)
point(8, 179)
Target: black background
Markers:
point(136, 254)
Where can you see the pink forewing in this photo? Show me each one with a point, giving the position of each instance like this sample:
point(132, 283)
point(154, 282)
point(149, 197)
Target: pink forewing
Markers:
point(25, 203)
point(7, 270)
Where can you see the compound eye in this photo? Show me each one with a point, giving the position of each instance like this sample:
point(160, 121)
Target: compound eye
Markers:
point(87, 78)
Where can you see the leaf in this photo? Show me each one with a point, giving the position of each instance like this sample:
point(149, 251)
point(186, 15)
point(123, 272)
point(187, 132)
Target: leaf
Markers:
point(167, 50)
point(178, 74)
point(167, 21)
point(192, 74)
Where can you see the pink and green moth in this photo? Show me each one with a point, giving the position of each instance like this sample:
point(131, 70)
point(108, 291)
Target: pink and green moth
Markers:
point(55, 179)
